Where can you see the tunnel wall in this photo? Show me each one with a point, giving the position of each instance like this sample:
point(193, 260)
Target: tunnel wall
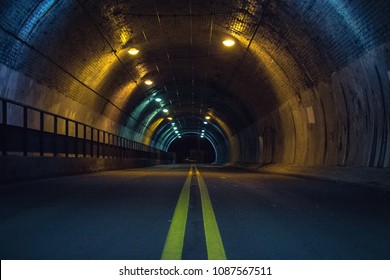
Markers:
point(341, 121)
point(17, 86)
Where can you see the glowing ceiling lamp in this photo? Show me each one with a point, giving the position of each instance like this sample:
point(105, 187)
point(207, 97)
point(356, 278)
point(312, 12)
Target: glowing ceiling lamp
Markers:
point(169, 118)
point(148, 82)
point(157, 99)
point(228, 43)
point(207, 117)
point(165, 110)
point(205, 122)
point(133, 51)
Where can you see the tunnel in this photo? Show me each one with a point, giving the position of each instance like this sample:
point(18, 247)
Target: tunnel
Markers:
point(299, 90)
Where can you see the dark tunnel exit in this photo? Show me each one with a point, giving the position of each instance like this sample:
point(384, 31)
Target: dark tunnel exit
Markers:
point(192, 148)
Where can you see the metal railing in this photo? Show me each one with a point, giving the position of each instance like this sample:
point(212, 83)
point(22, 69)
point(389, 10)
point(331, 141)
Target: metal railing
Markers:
point(29, 131)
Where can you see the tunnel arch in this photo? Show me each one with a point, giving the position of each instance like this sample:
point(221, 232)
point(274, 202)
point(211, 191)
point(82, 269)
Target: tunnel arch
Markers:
point(306, 84)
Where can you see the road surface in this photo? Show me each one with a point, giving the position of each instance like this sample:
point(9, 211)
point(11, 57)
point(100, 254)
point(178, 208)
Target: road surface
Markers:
point(192, 212)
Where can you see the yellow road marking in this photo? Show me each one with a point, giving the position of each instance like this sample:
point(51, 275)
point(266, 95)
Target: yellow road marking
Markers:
point(215, 249)
point(173, 247)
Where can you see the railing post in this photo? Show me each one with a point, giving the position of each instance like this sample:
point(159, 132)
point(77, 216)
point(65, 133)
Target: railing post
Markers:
point(98, 144)
point(66, 137)
point(91, 142)
point(42, 133)
point(4, 136)
point(115, 142)
point(104, 144)
point(25, 130)
point(76, 139)
point(123, 154)
point(121, 143)
point(55, 151)
point(85, 141)
point(109, 146)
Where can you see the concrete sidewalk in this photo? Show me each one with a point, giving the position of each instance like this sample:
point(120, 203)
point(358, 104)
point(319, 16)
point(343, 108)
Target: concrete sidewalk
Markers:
point(372, 177)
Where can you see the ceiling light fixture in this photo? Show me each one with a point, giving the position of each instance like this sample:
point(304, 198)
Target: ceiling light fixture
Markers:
point(158, 99)
point(165, 110)
point(205, 122)
point(148, 82)
point(169, 118)
point(228, 43)
point(133, 51)
point(208, 117)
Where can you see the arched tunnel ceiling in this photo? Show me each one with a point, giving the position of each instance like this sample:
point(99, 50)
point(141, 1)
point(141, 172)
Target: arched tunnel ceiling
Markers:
point(80, 48)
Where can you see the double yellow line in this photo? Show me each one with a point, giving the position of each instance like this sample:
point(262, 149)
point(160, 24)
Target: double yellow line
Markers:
point(174, 243)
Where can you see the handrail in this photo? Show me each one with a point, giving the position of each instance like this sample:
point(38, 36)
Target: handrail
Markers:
point(100, 143)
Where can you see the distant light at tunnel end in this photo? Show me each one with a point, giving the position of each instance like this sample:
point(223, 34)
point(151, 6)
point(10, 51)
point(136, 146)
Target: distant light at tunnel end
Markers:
point(133, 51)
point(228, 42)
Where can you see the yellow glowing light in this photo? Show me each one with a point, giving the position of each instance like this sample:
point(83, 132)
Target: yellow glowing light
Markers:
point(133, 51)
point(208, 117)
point(169, 118)
point(148, 82)
point(228, 43)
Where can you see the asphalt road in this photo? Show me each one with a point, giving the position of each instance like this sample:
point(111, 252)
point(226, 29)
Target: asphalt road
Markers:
point(128, 214)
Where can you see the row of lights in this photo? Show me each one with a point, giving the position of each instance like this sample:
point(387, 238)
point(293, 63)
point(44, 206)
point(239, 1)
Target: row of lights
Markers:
point(227, 43)
point(158, 99)
point(148, 82)
point(175, 130)
point(205, 122)
point(135, 51)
